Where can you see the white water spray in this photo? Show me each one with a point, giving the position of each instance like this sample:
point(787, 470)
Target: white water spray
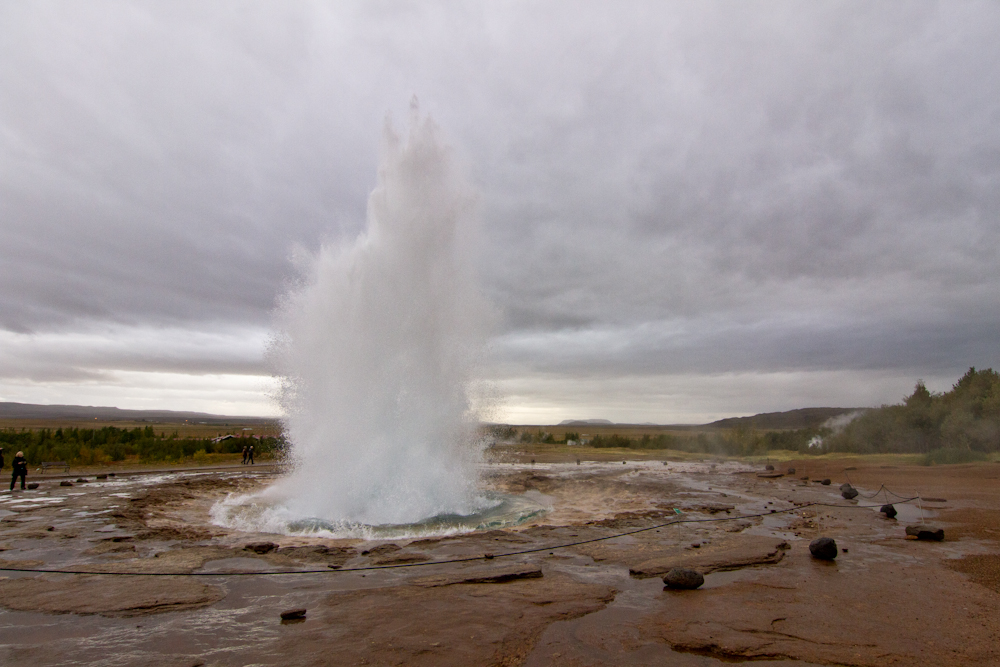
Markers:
point(377, 348)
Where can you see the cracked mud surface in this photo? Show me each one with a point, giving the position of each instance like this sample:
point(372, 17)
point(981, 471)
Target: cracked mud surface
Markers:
point(885, 601)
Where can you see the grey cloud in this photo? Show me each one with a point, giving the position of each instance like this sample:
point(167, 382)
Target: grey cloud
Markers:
point(672, 188)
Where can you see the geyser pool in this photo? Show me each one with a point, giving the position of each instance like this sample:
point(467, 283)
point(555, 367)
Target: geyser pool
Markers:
point(377, 347)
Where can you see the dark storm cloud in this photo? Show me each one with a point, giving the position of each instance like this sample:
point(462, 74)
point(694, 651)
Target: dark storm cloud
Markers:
point(665, 188)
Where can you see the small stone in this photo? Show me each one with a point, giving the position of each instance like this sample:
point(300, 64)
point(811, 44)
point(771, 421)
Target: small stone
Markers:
point(65, 483)
point(889, 511)
point(849, 493)
point(845, 486)
point(683, 579)
point(826, 482)
point(293, 614)
point(923, 532)
point(33, 485)
point(102, 477)
point(696, 545)
point(791, 471)
point(111, 474)
point(81, 480)
point(769, 467)
point(261, 547)
point(823, 548)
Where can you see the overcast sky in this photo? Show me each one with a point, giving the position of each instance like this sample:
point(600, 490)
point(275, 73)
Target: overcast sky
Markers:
point(690, 210)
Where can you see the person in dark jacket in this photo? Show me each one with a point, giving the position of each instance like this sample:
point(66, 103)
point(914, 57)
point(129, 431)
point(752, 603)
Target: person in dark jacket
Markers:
point(1, 458)
point(244, 454)
point(20, 470)
point(250, 455)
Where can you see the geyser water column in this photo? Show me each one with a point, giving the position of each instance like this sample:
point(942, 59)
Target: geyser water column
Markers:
point(377, 347)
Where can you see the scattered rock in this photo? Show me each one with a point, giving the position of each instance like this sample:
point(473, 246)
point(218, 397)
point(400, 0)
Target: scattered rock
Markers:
point(102, 477)
point(825, 482)
point(823, 548)
point(683, 579)
point(65, 483)
point(81, 480)
point(33, 485)
point(261, 547)
point(923, 532)
point(769, 467)
point(111, 474)
point(934, 500)
point(889, 511)
point(791, 471)
point(293, 614)
point(770, 475)
point(849, 493)
point(845, 486)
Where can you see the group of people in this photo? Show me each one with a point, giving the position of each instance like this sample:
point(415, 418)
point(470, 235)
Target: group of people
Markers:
point(248, 454)
point(20, 468)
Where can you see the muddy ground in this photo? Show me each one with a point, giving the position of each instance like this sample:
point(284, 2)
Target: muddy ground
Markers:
point(885, 600)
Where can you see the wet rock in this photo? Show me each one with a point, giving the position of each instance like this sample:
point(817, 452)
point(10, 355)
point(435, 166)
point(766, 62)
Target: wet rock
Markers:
point(889, 511)
point(823, 548)
point(769, 467)
point(845, 486)
point(924, 532)
point(683, 579)
point(65, 483)
point(102, 477)
point(482, 575)
point(33, 485)
point(849, 493)
point(261, 547)
point(791, 471)
point(293, 614)
point(825, 482)
point(81, 480)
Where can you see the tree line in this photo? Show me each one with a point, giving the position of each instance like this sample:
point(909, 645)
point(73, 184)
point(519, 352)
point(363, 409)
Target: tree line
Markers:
point(83, 446)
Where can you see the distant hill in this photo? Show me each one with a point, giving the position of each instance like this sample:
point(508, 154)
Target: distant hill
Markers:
point(792, 419)
point(584, 422)
point(76, 412)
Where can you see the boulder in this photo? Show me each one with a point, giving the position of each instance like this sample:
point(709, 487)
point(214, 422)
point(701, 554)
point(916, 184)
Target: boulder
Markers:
point(102, 477)
point(293, 614)
point(823, 548)
point(261, 547)
point(849, 493)
point(825, 482)
point(683, 579)
point(81, 480)
point(924, 532)
point(33, 485)
point(791, 471)
point(845, 486)
point(769, 467)
point(889, 511)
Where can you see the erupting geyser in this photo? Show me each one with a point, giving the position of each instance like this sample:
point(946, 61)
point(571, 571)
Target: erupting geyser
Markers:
point(377, 348)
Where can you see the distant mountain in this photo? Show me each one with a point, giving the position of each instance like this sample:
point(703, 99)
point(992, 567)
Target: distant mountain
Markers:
point(792, 419)
point(77, 412)
point(585, 422)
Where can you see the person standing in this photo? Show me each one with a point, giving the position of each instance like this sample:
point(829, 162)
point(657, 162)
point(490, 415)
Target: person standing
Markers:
point(1, 458)
point(250, 455)
point(244, 454)
point(20, 470)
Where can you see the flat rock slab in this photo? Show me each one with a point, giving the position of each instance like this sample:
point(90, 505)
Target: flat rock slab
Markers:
point(743, 551)
point(104, 595)
point(482, 575)
point(770, 475)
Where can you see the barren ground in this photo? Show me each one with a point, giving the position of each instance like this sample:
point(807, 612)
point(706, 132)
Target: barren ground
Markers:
point(885, 600)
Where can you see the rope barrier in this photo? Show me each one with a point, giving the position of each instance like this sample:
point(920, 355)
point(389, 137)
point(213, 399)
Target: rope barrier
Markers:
point(466, 559)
